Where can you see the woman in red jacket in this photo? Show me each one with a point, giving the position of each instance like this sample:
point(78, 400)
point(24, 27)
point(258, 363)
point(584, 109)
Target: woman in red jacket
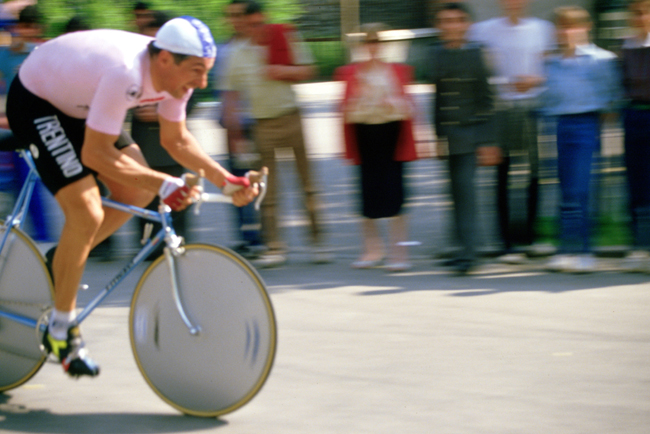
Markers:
point(377, 114)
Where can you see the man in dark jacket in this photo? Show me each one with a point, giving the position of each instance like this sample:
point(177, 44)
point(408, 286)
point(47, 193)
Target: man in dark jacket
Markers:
point(462, 118)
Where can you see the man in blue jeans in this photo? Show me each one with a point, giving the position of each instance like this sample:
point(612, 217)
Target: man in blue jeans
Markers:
point(636, 122)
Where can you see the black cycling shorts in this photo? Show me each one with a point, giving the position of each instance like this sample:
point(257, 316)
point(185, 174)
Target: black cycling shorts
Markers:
point(53, 138)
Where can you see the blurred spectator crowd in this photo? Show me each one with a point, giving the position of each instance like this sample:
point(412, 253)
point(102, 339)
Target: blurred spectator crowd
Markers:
point(496, 82)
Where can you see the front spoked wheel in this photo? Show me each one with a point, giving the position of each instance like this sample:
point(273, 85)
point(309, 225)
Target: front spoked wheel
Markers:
point(26, 291)
point(222, 367)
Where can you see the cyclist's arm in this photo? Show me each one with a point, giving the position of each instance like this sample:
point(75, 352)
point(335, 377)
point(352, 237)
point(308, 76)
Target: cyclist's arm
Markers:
point(100, 154)
point(181, 145)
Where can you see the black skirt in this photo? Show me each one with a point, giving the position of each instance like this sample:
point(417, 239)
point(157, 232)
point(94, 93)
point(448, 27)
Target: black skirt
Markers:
point(382, 181)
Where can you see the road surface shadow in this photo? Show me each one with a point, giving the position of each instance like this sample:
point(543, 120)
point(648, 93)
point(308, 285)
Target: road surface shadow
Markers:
point(19, 418)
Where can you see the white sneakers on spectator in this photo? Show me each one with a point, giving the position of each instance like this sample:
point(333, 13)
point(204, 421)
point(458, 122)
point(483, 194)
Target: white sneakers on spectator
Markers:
point(637, 261)
point(560, 263)
point(512, 258)
point(270, 259)
point(276, 258)
point(572, 263)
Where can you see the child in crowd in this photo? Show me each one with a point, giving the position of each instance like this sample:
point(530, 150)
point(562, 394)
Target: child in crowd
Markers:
point(583, 84)
point(463, 117)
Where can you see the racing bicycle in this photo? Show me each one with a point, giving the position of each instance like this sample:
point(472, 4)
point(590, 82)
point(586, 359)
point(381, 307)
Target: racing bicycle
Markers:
point(201, 324)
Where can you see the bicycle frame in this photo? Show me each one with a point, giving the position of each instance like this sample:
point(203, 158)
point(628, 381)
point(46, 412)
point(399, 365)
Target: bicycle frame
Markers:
point(165, 234)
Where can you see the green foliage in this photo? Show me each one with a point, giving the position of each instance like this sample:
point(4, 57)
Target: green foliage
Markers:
point(117, 14)
point(328, 56)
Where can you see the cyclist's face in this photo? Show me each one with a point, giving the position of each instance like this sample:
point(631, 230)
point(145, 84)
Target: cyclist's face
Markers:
point(191, 73)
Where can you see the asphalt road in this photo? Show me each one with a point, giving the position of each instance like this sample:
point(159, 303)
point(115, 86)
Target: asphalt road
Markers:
point(510, 349)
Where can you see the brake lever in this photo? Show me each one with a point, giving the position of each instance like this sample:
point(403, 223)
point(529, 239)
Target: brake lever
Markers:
point(261, 184)
point(201, 184)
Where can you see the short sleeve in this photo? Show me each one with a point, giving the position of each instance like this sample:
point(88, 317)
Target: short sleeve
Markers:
point(113, 96)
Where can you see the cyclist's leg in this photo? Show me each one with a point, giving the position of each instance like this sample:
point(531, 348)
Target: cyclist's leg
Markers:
point(114, 219)
point(55, 140)
point(83, 213)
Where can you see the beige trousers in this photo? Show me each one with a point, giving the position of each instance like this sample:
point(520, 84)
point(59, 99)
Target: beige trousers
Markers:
point(284, 132)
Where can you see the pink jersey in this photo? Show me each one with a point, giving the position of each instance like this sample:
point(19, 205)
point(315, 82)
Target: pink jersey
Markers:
point(97, 75)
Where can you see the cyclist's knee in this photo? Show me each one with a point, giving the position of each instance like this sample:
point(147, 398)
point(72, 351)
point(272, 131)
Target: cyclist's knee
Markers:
point(131, 196)
point(146, 197)
point(137, 197)
point(89, 217)
point(84, 213)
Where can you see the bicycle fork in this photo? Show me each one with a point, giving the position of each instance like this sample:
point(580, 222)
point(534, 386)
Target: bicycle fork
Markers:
point(173, 249)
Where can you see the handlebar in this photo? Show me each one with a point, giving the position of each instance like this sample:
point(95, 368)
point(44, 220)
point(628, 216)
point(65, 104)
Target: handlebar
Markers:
point(260, 178)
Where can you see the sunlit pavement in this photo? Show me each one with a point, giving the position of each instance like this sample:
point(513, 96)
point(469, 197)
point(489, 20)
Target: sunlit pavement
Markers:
point(506, 349)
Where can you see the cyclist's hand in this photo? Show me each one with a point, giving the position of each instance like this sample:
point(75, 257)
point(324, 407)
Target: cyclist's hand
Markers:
point(246, 195)
point(233, 183)
point(244, 189)
point(239, 188)
point(178, 194)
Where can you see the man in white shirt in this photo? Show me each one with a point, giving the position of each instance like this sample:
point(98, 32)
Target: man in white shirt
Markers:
point(267, 87)
point(516, 45)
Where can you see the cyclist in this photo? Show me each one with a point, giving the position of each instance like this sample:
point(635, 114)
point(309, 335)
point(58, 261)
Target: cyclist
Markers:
point(69, 102)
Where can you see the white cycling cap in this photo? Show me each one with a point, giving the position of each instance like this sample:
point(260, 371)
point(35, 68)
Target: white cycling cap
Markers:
point(186, 35)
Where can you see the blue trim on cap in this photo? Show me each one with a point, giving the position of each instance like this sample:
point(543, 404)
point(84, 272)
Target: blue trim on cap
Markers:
point(203, 31)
